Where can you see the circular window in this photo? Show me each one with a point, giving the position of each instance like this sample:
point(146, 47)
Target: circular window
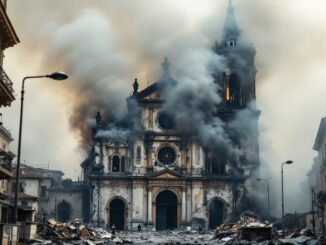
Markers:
point(165, 121)
point(166, 155)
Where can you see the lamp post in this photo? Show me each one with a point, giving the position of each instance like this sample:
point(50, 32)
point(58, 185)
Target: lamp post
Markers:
point(267, 183)
point(287, 162)
point(54, 76)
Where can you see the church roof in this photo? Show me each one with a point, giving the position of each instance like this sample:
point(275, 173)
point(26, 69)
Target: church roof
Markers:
point(165, 80)
point(163, 173)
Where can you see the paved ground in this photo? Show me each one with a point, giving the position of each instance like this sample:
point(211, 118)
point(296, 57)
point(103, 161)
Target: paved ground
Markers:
point(167, 237)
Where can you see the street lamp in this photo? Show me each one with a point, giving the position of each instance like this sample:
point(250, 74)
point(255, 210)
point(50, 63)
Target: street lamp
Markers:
point(287, 162)
point(54, 76)
point(268, 203)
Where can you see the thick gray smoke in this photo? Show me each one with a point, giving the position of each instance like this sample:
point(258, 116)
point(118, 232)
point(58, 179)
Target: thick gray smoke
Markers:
point(105, 44)
point(96, 66)
point(113, 132)
point(193, 100)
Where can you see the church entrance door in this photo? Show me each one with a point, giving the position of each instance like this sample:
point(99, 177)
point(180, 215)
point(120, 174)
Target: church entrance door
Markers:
point(216, 209)
point(166, 211)
point(63, 211)
point(117, 214)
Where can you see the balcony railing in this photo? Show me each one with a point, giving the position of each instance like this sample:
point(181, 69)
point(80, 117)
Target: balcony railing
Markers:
point(6, 80)
point(5, 159)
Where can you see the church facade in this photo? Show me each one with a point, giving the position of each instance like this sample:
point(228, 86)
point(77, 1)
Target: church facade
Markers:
point(154, 176)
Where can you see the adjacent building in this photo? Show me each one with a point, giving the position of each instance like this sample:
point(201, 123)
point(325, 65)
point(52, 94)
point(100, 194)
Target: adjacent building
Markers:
point(319, 172)
point(157, 177)
point(8, 38)
point(6, 157)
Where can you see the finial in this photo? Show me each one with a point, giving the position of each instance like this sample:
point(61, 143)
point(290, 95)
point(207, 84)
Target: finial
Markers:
point(98, 120)
point(231, 31)
point(166, 65)
point(135, 85)
point(230, 5)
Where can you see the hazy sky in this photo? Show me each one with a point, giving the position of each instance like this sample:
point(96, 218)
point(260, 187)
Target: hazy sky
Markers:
point(104, 45)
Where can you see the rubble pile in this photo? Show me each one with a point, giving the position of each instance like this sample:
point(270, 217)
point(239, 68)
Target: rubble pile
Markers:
point(73, 231)
point(247, 227)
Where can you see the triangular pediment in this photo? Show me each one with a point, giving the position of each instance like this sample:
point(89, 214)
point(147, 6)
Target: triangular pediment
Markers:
point(166, 174)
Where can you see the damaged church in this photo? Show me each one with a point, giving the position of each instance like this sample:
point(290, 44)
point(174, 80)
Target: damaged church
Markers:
point(158, 173)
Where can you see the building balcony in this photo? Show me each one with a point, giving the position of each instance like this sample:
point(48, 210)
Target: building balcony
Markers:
point(6, 89)
point(8, 35)
point(321, 196)
point(4, 194)
point(5, 164)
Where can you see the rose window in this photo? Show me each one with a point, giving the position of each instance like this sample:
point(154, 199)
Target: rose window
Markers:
point(166, 155)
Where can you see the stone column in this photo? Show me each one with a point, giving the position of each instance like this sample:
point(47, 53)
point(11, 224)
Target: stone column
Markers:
point(183, 211)
point(149, 204)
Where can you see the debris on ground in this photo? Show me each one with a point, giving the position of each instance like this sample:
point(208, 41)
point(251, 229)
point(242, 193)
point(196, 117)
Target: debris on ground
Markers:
point(247, 229)
point(250, 229)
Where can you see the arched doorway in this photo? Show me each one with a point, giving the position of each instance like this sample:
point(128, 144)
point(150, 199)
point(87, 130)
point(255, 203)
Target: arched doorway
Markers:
point(166, 211)
point(63, 211)
point(117, 214)
point(216, 211)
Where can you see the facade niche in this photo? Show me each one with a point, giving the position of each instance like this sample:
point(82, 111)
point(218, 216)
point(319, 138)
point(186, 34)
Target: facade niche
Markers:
point(138, 155)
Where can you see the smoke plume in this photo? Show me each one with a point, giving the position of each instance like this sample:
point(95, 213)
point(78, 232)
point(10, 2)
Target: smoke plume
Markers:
point(103, 45)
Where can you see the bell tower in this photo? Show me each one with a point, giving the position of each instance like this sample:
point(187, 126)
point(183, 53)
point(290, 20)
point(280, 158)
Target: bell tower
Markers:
point(237, 82)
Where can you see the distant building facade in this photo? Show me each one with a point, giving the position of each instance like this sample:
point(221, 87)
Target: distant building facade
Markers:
point(43, 192)
point(159, 178)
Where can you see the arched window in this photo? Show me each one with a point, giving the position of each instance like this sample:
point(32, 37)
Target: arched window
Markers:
point(116, 164)
point(138, 154)
point(233, 90)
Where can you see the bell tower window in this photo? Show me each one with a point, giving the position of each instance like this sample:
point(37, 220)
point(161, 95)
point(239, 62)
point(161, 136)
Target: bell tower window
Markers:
point(233, 90)
point(231, 43)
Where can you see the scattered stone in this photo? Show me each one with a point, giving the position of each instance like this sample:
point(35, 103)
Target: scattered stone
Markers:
point(117, 240)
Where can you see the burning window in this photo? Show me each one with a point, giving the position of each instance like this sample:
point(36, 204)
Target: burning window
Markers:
point(233, 89)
